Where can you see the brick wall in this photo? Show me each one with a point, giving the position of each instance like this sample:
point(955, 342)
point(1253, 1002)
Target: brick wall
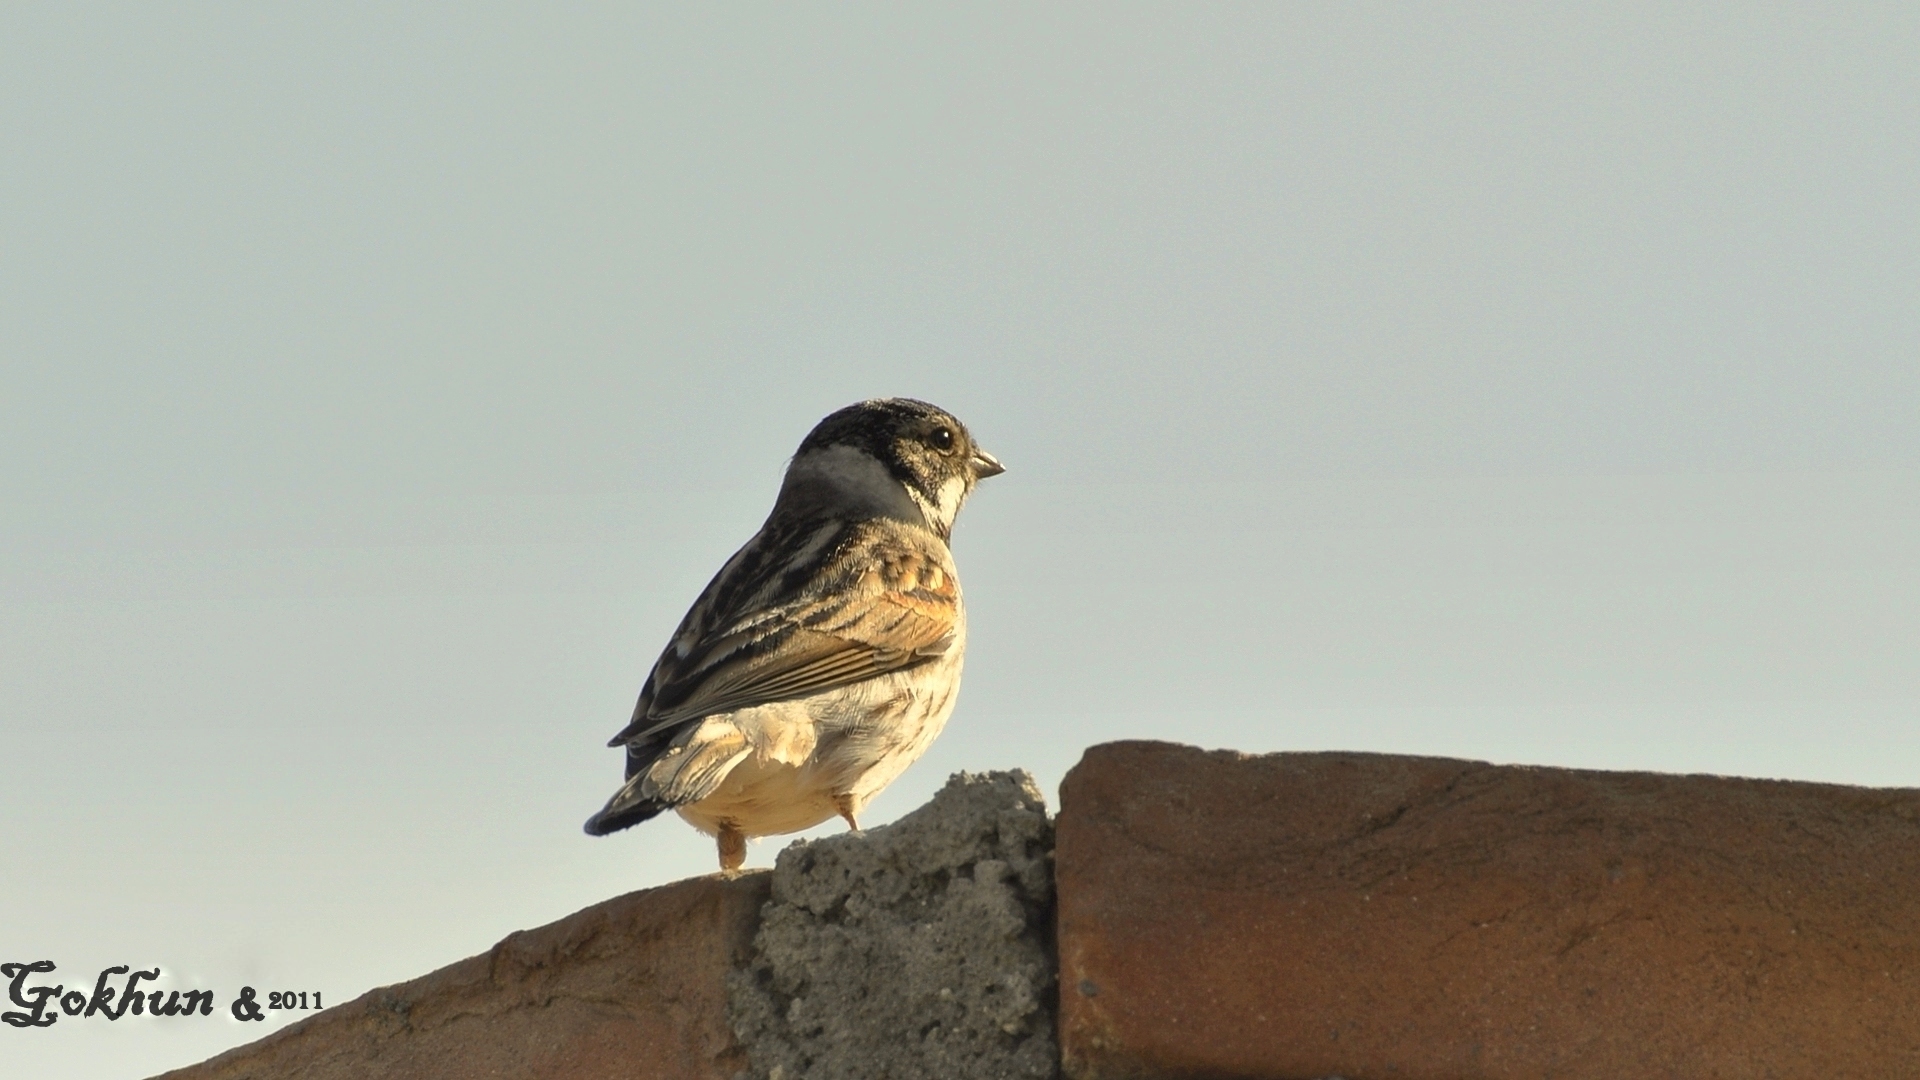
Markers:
point(1210, 914)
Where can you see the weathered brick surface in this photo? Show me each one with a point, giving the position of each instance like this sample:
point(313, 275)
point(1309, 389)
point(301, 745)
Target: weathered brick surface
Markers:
point(1372, 917)
point(632, 988)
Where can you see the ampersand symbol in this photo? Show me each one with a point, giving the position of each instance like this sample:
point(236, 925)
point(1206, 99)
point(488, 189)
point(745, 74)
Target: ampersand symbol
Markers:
point(245, 1008)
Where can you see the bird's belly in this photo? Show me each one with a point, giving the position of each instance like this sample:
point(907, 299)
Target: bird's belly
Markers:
point(869, 750)
point(763, 796)
point(863, 736)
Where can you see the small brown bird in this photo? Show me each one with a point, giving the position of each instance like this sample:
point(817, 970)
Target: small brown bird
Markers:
point(825, 656)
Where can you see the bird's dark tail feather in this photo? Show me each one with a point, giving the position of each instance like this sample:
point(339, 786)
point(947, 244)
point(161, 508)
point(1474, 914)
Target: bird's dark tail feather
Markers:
point(628, 807)
point(617, 815)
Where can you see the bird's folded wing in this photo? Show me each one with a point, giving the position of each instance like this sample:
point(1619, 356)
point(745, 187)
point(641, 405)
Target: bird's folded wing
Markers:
point(903, 610)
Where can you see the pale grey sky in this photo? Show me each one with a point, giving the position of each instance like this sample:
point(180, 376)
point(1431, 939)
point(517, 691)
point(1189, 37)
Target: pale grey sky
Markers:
point(380, 383)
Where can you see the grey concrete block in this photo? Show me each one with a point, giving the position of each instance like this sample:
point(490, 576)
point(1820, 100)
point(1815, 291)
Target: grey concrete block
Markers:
point(918, 949)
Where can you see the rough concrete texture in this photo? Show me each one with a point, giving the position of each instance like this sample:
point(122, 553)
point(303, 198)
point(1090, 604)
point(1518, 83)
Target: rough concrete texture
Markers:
point(914, 950)
point(632, 988)
point(1366, 916)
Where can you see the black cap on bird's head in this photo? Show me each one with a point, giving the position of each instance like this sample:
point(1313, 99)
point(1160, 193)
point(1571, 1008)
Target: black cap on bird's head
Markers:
point(924, 448)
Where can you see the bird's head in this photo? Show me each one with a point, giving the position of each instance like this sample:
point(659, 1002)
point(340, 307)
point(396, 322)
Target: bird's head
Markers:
point(894, 456)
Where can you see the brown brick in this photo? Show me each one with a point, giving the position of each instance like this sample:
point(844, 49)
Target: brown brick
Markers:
point(632, 988)
point(1372, 917)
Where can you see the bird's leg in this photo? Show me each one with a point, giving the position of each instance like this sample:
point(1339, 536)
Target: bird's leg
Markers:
point(733, 847)
point(844, 804)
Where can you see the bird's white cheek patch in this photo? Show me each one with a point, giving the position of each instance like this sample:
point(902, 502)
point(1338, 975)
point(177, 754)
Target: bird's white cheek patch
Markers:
point(953, 491)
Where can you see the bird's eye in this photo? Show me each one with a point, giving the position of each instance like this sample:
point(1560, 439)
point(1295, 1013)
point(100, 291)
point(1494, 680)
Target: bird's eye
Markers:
point(942, 438)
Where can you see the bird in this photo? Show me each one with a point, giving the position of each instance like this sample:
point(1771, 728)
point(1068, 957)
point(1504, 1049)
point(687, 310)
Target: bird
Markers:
point(824, 657)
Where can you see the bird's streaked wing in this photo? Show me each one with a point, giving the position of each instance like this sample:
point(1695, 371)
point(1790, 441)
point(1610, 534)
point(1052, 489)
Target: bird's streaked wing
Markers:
point(891, 608)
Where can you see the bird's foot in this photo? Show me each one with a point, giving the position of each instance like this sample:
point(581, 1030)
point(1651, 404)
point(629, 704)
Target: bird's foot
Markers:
point(733, 849)
point(843, 804)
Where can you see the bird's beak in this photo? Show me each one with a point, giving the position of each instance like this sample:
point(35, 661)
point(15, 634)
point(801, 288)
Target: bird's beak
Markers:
point(985, 464)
